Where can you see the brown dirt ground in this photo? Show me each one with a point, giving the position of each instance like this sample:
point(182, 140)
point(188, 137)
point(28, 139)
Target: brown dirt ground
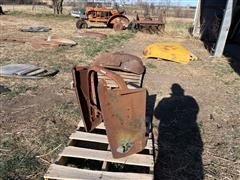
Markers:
point(38, 116)
point(215, 87)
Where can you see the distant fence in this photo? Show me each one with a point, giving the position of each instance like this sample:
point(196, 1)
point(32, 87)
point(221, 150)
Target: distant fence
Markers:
point(22, 2)
point(181, 12)
point(16, 1)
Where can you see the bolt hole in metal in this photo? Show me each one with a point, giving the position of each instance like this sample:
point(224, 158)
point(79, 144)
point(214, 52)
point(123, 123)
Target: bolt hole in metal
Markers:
point(125, 147)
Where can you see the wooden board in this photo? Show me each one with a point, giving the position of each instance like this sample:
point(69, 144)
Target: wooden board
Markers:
point(92, 137)
point(69, 173)
point(135, 159)
point(124, 77)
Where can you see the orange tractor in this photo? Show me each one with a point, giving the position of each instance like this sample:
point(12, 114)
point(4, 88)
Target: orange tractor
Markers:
point(113, 18)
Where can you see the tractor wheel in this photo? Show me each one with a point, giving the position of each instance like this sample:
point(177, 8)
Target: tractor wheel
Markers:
point(118, 26)
point(115, 21)
point(81, 24)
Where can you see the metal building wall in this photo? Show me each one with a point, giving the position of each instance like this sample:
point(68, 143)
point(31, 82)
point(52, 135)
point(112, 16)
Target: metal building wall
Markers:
point(217, 22)
point(212, 12)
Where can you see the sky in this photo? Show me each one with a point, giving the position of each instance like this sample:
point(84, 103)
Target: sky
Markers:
point(173, 2)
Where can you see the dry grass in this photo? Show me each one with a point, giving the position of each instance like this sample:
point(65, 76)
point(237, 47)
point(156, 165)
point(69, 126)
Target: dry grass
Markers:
point(178, 27)
point(28, 9)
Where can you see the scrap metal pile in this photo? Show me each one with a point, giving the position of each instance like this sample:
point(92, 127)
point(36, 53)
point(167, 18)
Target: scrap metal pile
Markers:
point(120, 108)
point(110, 90)
point(26, 71)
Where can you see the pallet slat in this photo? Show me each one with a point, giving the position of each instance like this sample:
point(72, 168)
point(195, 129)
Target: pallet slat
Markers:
point(122, 73)
point(124, 77)
point(100, 126)
point(135, 159)
point(128, 81)
point(114, 85)
point(79, 135)
point(70, 173)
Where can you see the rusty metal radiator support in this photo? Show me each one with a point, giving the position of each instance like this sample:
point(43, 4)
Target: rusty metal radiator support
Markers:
point(121, 109)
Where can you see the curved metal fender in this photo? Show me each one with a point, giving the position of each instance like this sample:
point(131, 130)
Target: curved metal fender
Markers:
point(169, 51)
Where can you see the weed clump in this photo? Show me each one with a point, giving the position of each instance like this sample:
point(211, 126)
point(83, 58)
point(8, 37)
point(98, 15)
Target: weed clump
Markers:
point(92, 48)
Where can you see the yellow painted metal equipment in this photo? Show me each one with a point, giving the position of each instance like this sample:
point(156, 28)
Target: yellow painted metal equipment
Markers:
point(169, 51)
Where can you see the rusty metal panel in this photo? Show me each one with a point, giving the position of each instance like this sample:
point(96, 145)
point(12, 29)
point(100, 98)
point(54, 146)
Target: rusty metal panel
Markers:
point(123, 111)
point(122, 61)
point(85, 82)
point(169, 51)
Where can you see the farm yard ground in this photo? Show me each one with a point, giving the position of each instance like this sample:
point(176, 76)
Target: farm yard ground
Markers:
point(37, 117)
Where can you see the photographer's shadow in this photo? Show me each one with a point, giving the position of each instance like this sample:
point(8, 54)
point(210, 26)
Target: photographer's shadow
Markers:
point(179, 141)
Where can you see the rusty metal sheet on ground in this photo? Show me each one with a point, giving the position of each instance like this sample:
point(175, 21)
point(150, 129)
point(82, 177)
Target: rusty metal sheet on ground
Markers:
point(90, 34)
point(50, 42)
point(35, 28)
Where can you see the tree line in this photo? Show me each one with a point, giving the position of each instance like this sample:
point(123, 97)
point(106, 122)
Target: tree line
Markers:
point(57, 5)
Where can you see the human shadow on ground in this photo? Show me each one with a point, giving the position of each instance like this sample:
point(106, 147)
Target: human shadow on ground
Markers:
point(179, 141)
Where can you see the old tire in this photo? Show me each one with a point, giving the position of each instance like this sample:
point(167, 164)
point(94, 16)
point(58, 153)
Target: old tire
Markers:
point(80, 24)
point(118, 26)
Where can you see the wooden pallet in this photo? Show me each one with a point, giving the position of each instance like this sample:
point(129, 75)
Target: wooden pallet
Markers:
point(92, 150)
